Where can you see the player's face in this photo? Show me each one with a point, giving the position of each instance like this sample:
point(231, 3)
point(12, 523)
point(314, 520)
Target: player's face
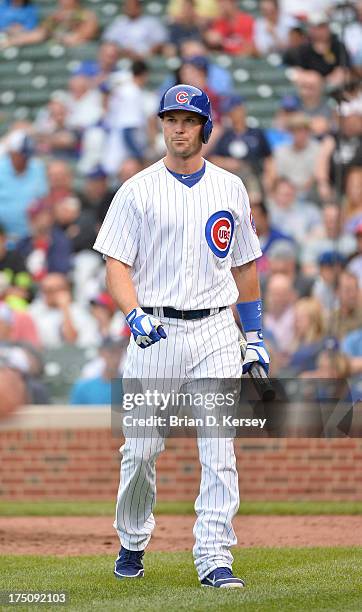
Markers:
point(182, 133)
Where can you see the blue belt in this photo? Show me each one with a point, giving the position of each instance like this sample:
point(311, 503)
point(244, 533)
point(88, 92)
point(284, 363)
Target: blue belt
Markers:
point(186, 315)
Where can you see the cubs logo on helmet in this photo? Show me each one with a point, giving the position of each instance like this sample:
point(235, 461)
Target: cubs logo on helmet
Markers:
point(182, 97)
point(219, 232)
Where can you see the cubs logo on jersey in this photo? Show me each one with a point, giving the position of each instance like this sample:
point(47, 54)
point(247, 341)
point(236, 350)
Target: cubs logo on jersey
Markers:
point(182, 97)
point(219, 232)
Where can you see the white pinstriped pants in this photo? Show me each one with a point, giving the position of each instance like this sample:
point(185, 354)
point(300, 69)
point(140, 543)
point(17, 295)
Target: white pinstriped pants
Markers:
point(206, 348)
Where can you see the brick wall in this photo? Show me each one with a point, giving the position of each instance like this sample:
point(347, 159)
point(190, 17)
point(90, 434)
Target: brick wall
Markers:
point(71, 454)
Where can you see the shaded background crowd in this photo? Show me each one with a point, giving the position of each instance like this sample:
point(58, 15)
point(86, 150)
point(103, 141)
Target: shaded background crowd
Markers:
point(79, 88)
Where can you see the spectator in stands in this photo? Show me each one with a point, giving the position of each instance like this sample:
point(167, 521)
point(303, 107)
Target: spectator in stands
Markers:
point(193, 71)
point(294, 218)
point(283, 259)
point(96, 195)
point(183, 25)
point(16, 16)
point(232, 31)
point(52, 132)
point(104, 70)
point(60, 177)
point(77, 224)
point(137, 35)
point(348, 316)
point(22, 179)
point(125, 131)
point(272, 28)
point(335, 161)
point(219, 79)
point(353, 36)
point(58, 318)
point(98, 390)
point(297, 37)
point(11, 261)
point(278, 134)
point(310, 87)
point(309, 334)
point(355, 262)
point(296, 161)
point(36, 388)
point(280, 313)
point(353, 195)
point(241, 149)
point(268, 235)
point(325, 286)
point(205, 10)
point(69, 25)
point(129, 168)
point(110, 320)
point(324, 236)
point(324, 52)
point(17, 326)
point(46, 249)
point(85, 103)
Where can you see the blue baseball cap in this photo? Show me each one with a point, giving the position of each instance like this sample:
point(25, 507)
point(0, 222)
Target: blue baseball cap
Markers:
point(290, 103)
point(199, 61)
point(331, 258)
point(96, 173)
point(229, 102)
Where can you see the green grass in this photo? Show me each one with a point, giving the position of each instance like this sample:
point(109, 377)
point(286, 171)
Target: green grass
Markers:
point(106, 508)
point(278, 580)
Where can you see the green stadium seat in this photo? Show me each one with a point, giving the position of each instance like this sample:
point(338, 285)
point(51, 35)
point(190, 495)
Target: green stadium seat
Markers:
point(62, 368)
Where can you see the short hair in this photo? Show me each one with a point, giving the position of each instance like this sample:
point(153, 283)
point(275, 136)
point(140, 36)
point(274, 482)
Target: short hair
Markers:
point(139, 67)
point(2, 230)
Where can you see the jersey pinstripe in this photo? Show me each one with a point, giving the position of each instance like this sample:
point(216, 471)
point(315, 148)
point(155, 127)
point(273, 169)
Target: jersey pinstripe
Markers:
point(156, 224)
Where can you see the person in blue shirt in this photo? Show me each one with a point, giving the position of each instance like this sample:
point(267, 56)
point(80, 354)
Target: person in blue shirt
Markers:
point(98, 390)
point(241, 149)
point(46, 249)
point(22, 180)
point(17, 15)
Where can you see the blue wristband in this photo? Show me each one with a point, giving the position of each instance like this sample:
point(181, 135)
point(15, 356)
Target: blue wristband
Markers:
point(250, 314)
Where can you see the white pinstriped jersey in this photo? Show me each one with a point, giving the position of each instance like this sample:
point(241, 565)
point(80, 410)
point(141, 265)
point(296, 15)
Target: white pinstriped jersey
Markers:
point(181, 241)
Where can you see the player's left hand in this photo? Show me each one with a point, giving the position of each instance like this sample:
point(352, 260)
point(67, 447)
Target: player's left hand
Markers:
point(255, 352)
point(146, 329)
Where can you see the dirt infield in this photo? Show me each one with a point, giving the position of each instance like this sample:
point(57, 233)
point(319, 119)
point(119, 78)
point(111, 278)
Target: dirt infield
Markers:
point(66, 536)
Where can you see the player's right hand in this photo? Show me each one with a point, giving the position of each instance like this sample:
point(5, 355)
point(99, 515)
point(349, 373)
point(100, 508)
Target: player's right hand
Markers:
point(145, 328)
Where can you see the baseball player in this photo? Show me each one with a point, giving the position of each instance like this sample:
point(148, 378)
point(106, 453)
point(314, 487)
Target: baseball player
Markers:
point(180, 247)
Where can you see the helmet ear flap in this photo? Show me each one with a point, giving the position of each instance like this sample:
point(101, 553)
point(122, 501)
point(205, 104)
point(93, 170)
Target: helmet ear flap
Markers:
point(207, 129)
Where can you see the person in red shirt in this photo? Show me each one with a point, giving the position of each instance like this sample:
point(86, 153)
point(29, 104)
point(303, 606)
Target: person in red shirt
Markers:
point(233, 31)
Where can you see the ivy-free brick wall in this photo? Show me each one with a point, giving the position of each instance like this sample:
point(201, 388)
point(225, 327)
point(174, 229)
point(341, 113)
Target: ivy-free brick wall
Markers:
point(74, 456)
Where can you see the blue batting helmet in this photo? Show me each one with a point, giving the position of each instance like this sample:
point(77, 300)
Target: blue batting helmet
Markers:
point(188, 98)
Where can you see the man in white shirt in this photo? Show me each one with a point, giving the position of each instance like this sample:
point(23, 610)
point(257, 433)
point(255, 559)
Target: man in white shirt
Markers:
point(136, 34)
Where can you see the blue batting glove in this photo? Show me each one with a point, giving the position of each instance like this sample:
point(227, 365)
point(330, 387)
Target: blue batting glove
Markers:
point(145, 328)
point(255, 352)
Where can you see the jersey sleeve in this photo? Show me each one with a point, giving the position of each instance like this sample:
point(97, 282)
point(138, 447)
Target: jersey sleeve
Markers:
point(246, 245)
point(120, 230)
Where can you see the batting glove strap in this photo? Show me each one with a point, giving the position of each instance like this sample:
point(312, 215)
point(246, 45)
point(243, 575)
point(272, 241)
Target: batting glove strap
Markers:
point(146, 330)
point(255, 352)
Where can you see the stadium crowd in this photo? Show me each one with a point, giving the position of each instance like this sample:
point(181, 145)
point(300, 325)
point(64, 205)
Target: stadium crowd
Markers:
point(303, 173)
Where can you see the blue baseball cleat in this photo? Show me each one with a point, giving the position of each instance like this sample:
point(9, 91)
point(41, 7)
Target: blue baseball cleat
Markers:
point(129, 564)
point(222, 578)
